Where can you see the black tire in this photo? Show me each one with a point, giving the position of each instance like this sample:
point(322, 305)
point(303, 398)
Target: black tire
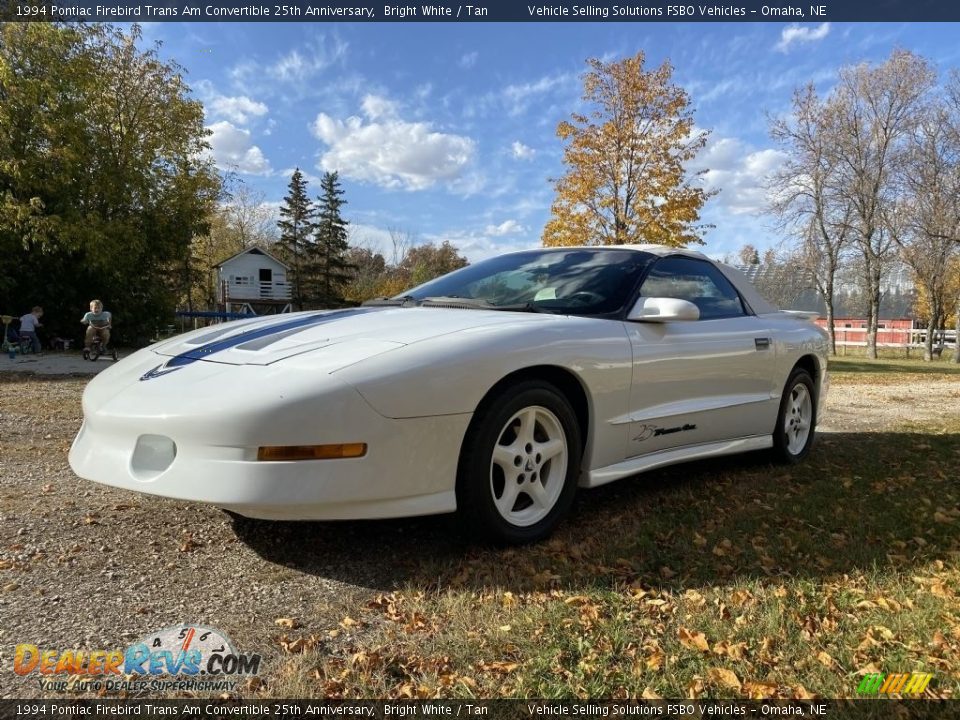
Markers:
point(784, 450)
point(477, 478)
point(86, 354)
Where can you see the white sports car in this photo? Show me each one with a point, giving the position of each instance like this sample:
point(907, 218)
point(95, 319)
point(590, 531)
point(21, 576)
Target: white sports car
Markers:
point(493, 391)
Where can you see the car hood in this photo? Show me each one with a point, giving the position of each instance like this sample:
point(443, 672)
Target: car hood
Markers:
point(349, 335)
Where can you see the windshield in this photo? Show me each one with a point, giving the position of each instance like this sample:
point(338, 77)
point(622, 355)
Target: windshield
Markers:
point(572, 282)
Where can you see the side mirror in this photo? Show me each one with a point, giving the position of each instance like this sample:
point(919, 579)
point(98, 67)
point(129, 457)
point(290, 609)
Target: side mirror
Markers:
point(660, 309)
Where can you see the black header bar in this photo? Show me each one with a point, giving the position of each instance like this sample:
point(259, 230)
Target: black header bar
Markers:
point(680, 709)
point(809, 11)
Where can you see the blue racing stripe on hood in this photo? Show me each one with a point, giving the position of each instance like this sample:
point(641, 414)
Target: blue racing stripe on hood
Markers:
point(205, 351)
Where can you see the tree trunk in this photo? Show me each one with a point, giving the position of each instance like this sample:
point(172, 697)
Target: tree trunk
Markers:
point(872, 322)
point(831, 328)
point(928, 343)
point(873, 281)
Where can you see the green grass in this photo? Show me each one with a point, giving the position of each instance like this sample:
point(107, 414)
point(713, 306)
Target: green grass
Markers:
point(942, 366)
point(728, 578)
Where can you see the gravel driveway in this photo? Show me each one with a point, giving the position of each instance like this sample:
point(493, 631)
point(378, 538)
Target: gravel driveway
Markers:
point(86, 566)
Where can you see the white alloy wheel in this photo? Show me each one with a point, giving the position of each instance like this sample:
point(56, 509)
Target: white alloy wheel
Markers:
point(528, 467)
point(798, 419)
point(794, 431)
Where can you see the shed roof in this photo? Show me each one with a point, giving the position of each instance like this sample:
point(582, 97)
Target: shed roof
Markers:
point(251, 251)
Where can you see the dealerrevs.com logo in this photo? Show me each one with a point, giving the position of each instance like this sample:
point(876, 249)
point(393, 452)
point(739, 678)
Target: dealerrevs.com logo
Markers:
point(184, 657)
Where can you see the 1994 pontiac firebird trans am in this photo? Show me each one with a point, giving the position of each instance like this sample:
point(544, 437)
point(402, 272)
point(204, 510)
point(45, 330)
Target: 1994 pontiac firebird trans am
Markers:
point(493, 391)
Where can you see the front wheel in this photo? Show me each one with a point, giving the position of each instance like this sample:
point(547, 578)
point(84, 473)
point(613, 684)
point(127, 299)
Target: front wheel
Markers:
point(797, 419)
point(519, 464)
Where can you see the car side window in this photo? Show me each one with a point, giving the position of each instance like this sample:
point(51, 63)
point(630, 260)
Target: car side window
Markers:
point(696, 281)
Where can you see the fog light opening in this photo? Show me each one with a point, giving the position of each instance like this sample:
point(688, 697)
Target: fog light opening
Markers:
point(152, 455)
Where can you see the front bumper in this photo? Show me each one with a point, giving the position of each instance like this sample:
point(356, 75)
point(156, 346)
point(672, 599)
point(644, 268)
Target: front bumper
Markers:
point(187, 446)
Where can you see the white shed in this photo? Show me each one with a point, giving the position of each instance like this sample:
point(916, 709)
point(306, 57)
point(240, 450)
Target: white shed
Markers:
point(253, 278)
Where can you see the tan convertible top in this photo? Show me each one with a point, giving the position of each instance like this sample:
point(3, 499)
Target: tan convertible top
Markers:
point(760, 305)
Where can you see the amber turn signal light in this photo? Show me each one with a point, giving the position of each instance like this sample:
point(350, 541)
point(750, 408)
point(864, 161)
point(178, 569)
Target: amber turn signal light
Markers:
point(312, 452)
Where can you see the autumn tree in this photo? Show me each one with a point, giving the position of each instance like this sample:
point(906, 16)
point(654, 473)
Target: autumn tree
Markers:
point(951, 302)
point(248, 216)
point(105, 175)
point(626, 161)
point(426, 262)
point(925, 219)
point(748, 255)
point(369, 269)
point(952, 101)
point(780, 278)
point(873, 111)
point(374, 277)
point(806, 194)
point(329, 267)
point(296, 226)
point(241, 220)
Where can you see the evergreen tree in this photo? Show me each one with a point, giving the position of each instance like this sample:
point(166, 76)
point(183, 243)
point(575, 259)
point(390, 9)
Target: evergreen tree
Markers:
point(296, 225)
point(330, 268)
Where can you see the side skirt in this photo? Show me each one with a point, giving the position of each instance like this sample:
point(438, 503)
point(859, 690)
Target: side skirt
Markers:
point(642, 463)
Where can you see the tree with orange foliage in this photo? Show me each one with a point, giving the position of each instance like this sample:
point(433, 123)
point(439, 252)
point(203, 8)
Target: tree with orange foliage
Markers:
point(626, 179)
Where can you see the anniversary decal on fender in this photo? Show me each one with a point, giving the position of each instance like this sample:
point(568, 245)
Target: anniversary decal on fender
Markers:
point(645, 432)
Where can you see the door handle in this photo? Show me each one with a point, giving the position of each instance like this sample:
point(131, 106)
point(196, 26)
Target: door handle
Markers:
point(762, 343)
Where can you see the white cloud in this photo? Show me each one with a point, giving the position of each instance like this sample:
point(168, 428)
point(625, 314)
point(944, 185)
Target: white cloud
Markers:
point(521, 151)
point(375, 239)
point(296, 66)
point(740, 173)
point(237, 109)
point(507, 227)
point(518, 97)
point(468, 60)
point(796, 33)
point(389, 151)
point(233, 149)
point(423, 91)
point(376, 107)
point(478, 246)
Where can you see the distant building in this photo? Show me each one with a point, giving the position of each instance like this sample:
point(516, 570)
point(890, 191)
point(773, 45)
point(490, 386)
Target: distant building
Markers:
point(253, 281)
point(897, 293)
point(897, 296)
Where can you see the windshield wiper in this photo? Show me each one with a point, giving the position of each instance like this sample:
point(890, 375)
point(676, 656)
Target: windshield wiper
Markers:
point(390, 302)
point(523, 307)
point(453, 301)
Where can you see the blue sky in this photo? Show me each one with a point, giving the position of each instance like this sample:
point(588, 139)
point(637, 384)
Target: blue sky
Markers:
point(447, 131)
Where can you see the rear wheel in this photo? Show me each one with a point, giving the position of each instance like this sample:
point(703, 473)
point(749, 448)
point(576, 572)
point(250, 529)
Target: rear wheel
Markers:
point(797, 419)
point(519, 465)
